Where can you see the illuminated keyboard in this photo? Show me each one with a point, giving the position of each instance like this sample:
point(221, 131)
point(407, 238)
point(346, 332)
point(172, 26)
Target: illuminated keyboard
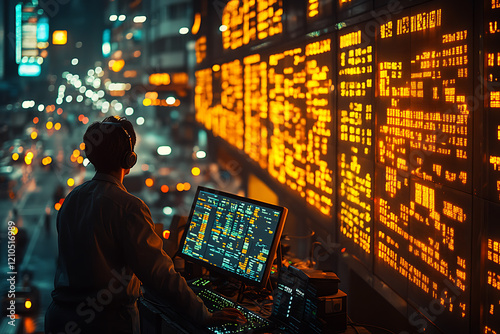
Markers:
point(215, 302)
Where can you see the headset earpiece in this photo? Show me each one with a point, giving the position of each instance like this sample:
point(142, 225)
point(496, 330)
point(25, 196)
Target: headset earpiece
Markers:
point(129, 158)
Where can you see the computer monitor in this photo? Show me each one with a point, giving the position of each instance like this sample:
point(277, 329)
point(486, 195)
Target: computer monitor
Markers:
point(233, 235)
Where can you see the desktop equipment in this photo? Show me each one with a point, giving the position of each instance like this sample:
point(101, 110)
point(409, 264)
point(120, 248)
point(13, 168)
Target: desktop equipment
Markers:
point(214, 301)
point(309, 301)
point(236, 237)
point(233, 235)
point(305, 301)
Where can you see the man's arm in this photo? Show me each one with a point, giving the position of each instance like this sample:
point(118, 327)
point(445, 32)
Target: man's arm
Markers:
point(145, 256)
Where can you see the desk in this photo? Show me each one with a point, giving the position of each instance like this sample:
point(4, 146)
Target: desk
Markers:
point(158, 317)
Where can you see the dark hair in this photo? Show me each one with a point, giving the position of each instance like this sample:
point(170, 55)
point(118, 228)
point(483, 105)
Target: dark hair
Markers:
point(106, 144)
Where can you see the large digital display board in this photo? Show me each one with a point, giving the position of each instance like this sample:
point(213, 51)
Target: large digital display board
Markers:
point(423, 158)
point(490, 250)
point(300, 109)
point(247, 21)
point(384, 120)
point(278, 109)
point(355, 140)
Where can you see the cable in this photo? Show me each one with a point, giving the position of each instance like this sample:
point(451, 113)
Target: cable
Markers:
point(313, 247)
point(354, 325)
point(299, 236)
point(279, 264)
point(351, 323)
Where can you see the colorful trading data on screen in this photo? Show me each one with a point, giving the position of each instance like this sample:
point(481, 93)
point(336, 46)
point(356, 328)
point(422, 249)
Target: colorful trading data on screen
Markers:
point(355, 93)
point(423, 153)
point(232, 234)
point(200, 48)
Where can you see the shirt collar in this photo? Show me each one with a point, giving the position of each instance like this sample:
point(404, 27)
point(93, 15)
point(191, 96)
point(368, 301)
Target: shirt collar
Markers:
point(109, 178)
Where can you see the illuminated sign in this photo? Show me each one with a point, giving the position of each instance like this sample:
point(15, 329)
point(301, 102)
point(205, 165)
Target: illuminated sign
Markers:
point(196, 24)
point(59, 37)
point(159, 79)
point(200, 48)
point(29, 69)
point(19, 8)
point(42, 32)
point(117, 88)
point(106, 43)
point(32, 35)
point(28, 32)
point(151, 99)
point(116, 65)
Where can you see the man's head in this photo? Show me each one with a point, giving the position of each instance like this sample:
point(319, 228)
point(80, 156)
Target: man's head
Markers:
point(109, 144)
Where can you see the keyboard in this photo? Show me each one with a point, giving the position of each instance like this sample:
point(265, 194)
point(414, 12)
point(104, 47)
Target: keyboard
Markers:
point(215, 302)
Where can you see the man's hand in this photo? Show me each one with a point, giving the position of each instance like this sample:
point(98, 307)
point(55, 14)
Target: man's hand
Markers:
point(226, 315)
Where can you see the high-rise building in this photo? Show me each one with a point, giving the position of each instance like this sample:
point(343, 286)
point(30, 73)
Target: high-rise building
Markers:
point(146, 48)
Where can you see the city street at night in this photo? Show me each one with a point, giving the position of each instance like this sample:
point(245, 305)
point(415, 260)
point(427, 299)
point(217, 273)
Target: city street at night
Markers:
point(44, 116)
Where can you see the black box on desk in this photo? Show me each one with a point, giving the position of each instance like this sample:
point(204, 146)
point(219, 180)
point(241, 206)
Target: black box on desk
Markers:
point(333, 311)
point(308, 301)
point(325, 282)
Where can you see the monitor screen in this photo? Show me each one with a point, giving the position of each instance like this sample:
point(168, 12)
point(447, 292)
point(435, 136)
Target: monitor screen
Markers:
point(233, 235)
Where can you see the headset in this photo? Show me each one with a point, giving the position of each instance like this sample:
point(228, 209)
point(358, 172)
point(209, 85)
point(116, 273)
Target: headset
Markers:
point(129, 157)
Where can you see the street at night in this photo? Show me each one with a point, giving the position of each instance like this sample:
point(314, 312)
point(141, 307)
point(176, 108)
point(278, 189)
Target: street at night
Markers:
point(42, 131)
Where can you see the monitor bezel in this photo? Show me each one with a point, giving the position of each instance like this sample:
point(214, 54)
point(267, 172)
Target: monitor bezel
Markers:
point(272, 250)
